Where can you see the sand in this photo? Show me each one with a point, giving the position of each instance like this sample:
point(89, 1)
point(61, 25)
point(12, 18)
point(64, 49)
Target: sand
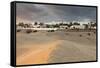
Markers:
point(54, 47)
point(39, 55)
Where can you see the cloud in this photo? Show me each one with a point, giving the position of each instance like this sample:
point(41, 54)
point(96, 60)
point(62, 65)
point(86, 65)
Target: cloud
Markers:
point(47, 13)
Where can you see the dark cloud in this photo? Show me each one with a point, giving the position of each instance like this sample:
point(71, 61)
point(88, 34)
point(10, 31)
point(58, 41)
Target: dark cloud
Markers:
point(47, 13)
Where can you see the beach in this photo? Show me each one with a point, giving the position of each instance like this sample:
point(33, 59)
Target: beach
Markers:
point(44, 47)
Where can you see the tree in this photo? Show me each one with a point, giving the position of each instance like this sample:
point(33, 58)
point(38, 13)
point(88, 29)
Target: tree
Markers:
point(93, 24)
point(47, 26)
point(70, 24)
point(76, 23)
point(56, 26)
point(21, 24)
point(35, 23)
point(86, 26)
point(41, 24)
point(26, 25)
point(61, 24)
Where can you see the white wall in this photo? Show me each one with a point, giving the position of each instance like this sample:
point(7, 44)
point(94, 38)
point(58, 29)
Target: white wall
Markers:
point(5, 34)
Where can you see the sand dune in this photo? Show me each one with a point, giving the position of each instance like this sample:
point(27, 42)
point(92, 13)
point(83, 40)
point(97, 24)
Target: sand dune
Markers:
point(55, 47)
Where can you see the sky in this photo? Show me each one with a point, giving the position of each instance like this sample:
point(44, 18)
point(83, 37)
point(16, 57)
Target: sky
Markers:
point(30, 13)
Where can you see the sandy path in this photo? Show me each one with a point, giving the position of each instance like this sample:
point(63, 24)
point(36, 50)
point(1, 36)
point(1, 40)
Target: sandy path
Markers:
point(68, 51)
point(39, 55)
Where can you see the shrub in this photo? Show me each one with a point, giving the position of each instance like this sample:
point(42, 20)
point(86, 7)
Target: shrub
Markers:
point(94, 32)
point(50, 30)
point(34, 30)
point(28, 31)
point(89, 34)
point(18, 30)
point(80, 35)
